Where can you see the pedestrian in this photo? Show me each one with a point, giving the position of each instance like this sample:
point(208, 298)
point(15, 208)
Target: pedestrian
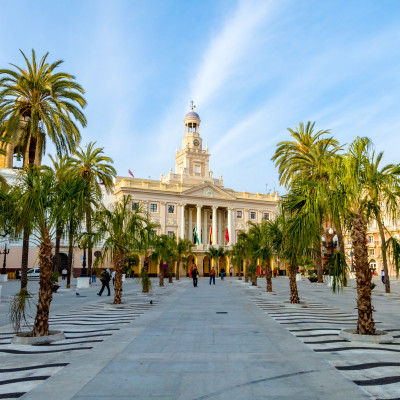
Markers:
point(93, 276)
point(133, 274)
point(212, 275)
point(105, 282)
point(274, 273)
point(191, 270)
point(383, 276)
point(230, 272)
point(195, 274)
point(113, 276)
point(64, 273)
point(222, 273)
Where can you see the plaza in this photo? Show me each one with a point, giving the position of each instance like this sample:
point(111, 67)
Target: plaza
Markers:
point(228, 341)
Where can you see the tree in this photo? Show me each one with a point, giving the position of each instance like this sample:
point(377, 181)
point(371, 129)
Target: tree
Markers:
point(238, 253)
point(383, 189)
point(215, 254)
point(119, 229)
point(183, 250)
point(35, 103)
point(41, 201)
point(305, 158)
point(95, 168)
point(162, 252)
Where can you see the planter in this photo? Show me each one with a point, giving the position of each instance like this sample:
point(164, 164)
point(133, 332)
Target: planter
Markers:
point(82, 282)
point(313, 279)
point(379, 337)
point(3, 278)
point(24, 339)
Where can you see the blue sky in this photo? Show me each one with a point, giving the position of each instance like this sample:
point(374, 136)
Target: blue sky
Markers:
point(254, 68)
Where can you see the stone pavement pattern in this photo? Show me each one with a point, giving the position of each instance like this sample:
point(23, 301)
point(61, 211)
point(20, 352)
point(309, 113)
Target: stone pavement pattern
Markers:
point(226, 341)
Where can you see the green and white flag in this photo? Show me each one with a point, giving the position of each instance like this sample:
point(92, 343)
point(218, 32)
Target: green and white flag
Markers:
point(196, 236)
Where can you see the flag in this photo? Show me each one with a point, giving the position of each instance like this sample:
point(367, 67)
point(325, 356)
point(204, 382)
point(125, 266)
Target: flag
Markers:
point(227, 235)
point(196, 236)
point(211, 236)
point(130, 173)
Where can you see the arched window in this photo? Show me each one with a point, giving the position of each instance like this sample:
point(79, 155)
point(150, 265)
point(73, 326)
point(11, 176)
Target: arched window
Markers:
point(18, 161)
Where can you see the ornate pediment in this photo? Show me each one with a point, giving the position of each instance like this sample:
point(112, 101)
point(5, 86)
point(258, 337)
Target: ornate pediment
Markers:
point(208, 191)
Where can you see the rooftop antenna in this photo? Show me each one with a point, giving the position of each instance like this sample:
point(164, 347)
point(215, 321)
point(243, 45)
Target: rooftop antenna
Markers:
point(192, 106)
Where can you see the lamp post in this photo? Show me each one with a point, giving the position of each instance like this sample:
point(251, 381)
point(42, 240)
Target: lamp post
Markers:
point(83, 272)
point(331, 244)
point(5, 252)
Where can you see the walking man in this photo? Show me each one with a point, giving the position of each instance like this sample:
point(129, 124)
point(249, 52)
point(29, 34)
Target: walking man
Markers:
point(383, 276)
point(212, 275)
point(195, 274)
point(64, 273)
point(105, 282)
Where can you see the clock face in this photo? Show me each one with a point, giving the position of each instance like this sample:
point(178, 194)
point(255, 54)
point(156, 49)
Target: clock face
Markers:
point(196, 142)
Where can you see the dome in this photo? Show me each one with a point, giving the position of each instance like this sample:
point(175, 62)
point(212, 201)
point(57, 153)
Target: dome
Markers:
point(192, 114)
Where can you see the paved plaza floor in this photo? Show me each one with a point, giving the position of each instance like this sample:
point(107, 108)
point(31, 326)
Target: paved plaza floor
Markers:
point(228, 341)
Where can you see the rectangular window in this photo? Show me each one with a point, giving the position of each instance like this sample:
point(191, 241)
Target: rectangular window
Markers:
point(135, 206)
point(170, 234)
point(266, 216)
point(348, 240)
point(197, 169)
point(171, 209)
point(211, 215)
point(252, 215)
point(226, 214)
point(153, 207)
point(239, 214)
point(371, 252)
point(370, 239)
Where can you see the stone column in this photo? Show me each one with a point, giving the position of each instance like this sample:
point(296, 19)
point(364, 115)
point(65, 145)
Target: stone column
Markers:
point(198, 224)
point(182, 233)
point(230, 225)
point(214, 225)
point(163, 206)
point(205, 231)
point(190, 228)
point(220, 240)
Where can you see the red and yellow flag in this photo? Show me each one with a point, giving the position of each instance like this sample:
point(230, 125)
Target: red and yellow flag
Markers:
point(211, 241)
point(227, 235)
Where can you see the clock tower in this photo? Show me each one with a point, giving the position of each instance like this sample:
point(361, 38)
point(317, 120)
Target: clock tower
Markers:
point(192, 160)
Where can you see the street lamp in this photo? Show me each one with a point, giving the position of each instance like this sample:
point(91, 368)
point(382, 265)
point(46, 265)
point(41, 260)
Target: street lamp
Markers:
point(331, 244)
point(5, 252)
point(83, 272)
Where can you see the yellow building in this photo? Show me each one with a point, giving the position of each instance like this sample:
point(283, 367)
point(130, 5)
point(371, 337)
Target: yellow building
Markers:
point(191, 198)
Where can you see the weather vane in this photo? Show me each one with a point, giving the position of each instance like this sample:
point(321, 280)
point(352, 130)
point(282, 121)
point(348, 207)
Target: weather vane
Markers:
point(192, 106)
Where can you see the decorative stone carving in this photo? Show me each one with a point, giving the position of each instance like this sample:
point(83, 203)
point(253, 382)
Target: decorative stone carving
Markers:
point(239, 226)
point(171, 221)
point(208, 192)
point(155, 220)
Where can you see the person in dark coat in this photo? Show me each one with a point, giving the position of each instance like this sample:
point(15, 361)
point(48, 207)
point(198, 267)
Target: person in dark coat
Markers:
point(195, 274)
point(105, 281)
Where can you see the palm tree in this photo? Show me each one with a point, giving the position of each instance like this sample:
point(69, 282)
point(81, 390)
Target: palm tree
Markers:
point(162, 252)
point(37, 102)
point(183, 249)
point(215, 254)
point(238, 254)
point(147, 236)
point(41, 201)
point(265, 252)
point(305, 158)
point(96, 170)
point(382, 185)
point(119, 227)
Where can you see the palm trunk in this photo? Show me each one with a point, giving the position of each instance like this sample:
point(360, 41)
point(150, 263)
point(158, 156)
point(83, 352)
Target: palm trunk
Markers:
point(161, 274)
point(145, 275)
point(254, 279)
point(25, 256)
point(70, 252)
point(89, 247)
point(246, 272)
point(240, 272)
point(384, 257)
point(365, 322)
point(178, 262)
point(57, 250)
point(268, 277)
point(119, 266)
point(294, 295)
point(41, 326)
